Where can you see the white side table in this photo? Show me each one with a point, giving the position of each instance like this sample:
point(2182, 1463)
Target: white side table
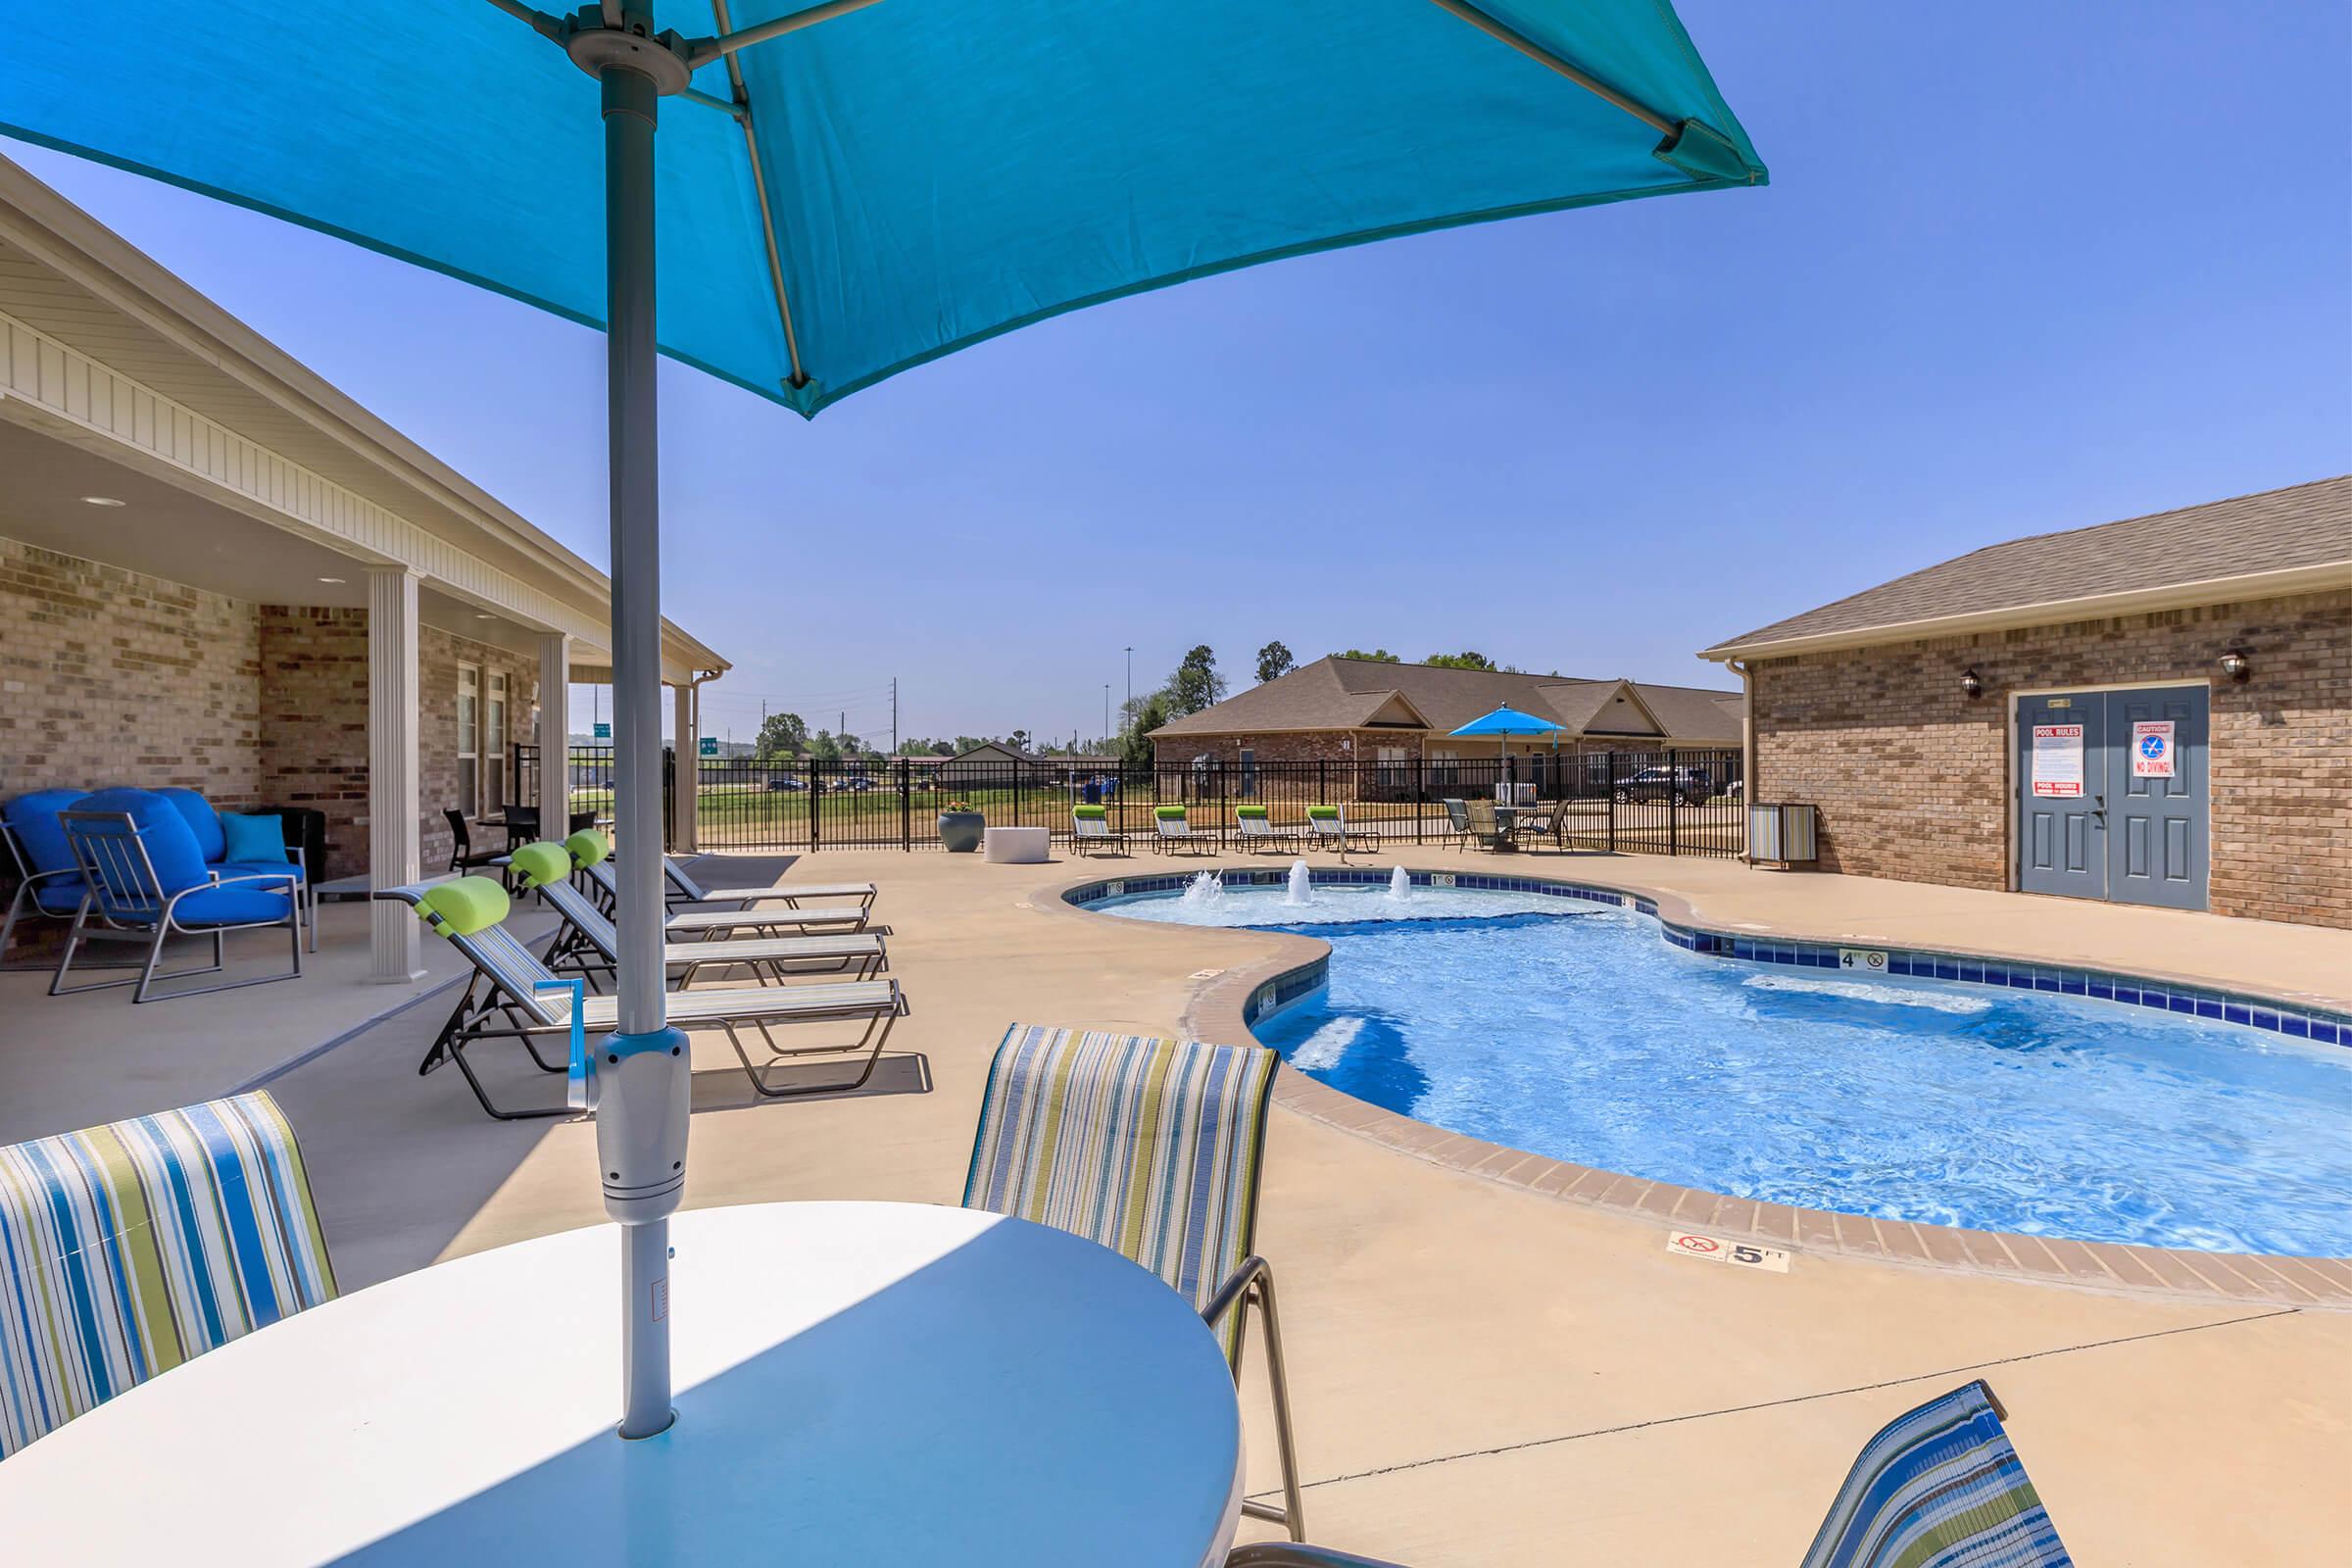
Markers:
point(1017, 845)
point(857, 1382)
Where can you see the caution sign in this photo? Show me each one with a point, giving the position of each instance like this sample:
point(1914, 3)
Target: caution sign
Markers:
point(2058, 760)
point(1716, 1250)
point(2153, 748)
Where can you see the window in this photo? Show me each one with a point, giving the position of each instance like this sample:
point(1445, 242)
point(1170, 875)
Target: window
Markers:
point(1446, 769)
point(494, 745)
point(1249, 773)
point(1392, 774)
point(470, 734)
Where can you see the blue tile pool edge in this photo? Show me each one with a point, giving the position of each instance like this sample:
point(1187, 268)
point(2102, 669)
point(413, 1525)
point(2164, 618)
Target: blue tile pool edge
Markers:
point(2253, 1010)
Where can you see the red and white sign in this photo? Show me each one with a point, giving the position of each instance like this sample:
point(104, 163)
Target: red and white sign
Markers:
point(2153, 748)
point(1716, 1250)
point(2058, 760)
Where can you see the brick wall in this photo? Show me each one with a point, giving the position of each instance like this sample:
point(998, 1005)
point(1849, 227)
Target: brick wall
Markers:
point(113, 678)
point(1912, 778)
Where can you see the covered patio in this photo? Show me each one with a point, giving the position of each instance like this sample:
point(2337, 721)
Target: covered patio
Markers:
point(218, 572)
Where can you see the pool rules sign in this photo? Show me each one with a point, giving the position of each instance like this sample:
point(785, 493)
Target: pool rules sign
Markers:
point(2058, 760)
point(2153, 748)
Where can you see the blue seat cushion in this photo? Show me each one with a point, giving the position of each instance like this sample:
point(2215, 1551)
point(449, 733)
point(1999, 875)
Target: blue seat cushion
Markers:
point(211, 842)
point(32, 818)
point(58, 895)
point(284, 868)
point(248, 903)
point(171, 843)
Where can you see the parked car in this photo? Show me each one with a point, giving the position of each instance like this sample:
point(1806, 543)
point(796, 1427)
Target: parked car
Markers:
point(782, 783)
point(1693, 786)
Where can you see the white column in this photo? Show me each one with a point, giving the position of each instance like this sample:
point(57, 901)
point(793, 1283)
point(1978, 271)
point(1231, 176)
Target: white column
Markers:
point(394, 839)
point(555, 736)
point(690, 768)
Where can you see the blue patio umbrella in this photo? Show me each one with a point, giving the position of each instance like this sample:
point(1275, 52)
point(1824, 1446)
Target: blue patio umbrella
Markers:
point(1506, 721)
point(839, 192)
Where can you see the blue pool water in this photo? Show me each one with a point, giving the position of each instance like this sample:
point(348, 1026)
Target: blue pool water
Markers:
point(1585, 1037)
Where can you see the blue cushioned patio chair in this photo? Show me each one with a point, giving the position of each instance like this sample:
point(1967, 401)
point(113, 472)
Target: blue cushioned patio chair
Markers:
point(128, 1249)
point(1151, 1148)
point(143, 876)
point(503, 1000)
point(204, 821)
point(48, 882)
point(1939, 1486)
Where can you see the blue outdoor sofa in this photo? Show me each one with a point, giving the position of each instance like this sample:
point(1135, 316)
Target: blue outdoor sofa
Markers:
point(50, 883)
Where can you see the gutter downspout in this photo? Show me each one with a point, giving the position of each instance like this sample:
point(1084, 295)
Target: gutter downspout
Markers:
point(1748, 752)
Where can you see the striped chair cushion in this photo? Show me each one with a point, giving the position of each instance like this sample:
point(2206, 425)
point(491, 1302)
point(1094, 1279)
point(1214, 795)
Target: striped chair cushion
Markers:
point(1939, 1487)
point(1149, 1147)
point(127, 1249)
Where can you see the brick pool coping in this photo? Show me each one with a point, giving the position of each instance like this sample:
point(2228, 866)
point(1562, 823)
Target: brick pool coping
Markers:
point(1226, 1004)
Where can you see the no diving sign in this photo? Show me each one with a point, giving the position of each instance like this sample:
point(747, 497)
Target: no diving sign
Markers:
point(1716, 1250)
point(2153, 748)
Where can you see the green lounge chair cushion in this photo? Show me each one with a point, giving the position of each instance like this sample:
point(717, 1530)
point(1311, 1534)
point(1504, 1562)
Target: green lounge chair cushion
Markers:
point(1168, 813)
point(587, 847)
point(1086, 813)
point(1250, 813)
point(462, 908)
point(1323, 814)
point(542, 863)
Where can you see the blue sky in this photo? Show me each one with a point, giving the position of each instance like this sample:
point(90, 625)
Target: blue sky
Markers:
point(2022, 266)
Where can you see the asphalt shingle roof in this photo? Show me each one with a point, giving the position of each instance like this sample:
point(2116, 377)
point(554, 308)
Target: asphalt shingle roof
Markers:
point(1346, 693)
point(2277, 530)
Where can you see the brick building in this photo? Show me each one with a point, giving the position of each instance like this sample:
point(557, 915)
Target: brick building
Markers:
point(2156, 710)
point(1384, 730)
point(219, 572)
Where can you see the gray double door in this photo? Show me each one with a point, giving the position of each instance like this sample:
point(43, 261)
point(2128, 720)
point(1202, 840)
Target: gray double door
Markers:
point(2110, 794)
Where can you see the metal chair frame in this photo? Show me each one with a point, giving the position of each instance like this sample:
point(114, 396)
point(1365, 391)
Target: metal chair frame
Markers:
point(1175, 835)
point(578, 949)
point(1251, 1286)
point(122, 889)
point(26, 899)
point(1084, 841)
point(1333, 832)
point(462, 856)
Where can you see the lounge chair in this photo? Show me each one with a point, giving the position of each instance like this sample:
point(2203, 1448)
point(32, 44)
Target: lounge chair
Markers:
point(1176, 833)
point(1091, 830)
point(142, 875)
point(1328, 825)
point(590, 946)
point(107, 1280)
point(1939, 1486)
point(683, 889)
point(691, 924)
point(1153, 1148)
point(1257, 830)
point(462, 856)
point(503, 1001)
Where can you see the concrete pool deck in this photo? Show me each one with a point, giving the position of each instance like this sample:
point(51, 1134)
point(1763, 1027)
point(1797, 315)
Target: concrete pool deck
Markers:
point(1483, 1373)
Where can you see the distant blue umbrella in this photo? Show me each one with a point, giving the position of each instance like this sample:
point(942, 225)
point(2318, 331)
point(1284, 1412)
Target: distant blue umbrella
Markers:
point(1507, 722)
point(846, 190)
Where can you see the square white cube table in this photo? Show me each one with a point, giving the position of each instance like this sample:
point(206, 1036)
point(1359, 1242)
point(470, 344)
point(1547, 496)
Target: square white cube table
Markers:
point(1017, 845)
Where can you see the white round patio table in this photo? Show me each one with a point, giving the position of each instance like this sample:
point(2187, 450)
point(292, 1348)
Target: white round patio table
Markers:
point(857, 1384)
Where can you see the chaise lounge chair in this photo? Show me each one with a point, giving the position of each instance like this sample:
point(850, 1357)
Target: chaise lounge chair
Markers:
point(694, 923)
point(128, 1249)
point(503, 1000)
point(1091, 830)
point(590, 946)
point(1153, 1148)
point(1175, 832)
point(1328, 824)
point(1259, 830)
point(683, 889)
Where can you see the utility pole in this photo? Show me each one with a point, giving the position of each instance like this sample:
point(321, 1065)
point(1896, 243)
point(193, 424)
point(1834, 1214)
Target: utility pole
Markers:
point(894, 716)
point(1107, 713)
point(1131, 676)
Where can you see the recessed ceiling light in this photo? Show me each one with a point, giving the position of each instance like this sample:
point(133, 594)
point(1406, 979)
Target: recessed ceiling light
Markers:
point(484, 615)
point(100, 501)
point(331, 579)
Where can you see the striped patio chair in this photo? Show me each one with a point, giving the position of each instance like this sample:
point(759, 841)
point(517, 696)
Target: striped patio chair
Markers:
point(1091, 830)
point(1151, 1148)
point(128, 1249)
point(1939, 1486)
point(1174, 831)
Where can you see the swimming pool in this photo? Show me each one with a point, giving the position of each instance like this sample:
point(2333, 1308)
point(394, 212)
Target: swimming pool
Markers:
point(1572, 1030)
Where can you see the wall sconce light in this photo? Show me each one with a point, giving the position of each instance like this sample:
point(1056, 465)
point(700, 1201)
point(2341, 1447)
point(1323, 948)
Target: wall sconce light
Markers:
point(1971, 685)
point(2234, 665)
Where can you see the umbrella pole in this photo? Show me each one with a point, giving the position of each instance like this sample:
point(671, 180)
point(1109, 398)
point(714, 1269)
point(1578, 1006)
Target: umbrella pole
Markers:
point(643, 1081)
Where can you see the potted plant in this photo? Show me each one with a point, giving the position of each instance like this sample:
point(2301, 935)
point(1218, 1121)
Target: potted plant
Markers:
point(959, 828)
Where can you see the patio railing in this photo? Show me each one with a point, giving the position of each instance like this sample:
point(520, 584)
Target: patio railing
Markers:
point(1666, 801)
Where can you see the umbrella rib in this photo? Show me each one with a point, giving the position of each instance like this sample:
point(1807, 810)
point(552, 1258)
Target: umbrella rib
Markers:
point(1552, 62)
point(767, 216)
point(703, 51)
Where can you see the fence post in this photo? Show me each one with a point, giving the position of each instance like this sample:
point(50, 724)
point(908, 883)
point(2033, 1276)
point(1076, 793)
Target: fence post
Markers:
point(816, 788)
point(1673, 805)
point(1420, 794)
point(1322, 782)
point(1612, 801)
point(905, 809)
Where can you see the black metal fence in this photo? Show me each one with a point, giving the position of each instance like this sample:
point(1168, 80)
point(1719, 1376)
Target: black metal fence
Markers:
point(1668, 801)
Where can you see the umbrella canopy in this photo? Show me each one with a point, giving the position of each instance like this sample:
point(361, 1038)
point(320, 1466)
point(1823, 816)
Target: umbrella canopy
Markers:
point(881, 188)
point(1507, 721)
point(839, 191)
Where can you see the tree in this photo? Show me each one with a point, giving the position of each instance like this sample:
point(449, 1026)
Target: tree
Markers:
point(1018, 740)
point(1378, 655)
point(824, 747)
point(1466, 660)
point(1274, 661)
point(1195, 685)
point(782, 735)
point(1142, 716)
